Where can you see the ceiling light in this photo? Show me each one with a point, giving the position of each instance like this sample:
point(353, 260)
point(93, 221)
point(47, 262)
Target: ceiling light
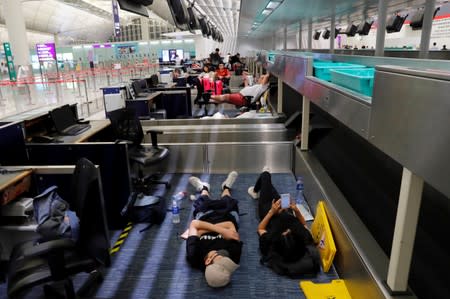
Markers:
point(154, 42)
point(166, 42)
point(273, 5)
point(266, 12)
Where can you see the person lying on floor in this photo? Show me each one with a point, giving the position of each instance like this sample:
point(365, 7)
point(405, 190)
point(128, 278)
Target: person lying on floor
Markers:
point(213, 242)
point(285, 242)
point(238, 98)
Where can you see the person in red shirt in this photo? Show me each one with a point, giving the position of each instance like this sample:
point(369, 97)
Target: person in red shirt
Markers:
point(222, 73)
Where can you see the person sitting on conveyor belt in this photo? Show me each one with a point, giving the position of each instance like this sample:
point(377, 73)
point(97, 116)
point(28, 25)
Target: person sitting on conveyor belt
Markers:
point(285, 243)
point(213, 242)
point(238, 98)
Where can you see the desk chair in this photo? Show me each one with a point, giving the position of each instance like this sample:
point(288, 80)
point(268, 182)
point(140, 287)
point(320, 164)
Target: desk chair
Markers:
point(204, 91)
point(55, 261)
point(127, 127)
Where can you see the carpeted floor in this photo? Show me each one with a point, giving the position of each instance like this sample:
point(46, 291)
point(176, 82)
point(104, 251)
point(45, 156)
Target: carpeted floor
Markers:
point(152, 264)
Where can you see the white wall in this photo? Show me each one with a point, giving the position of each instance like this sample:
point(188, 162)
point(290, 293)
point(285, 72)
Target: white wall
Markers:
point(204, 46)
point(248, 46)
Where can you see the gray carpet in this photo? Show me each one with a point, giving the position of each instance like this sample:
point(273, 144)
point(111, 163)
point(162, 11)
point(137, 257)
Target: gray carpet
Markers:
point(152, 264)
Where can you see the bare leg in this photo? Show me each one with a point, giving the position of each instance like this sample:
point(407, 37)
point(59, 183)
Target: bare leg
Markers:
point(223, 98)
point(225, 192)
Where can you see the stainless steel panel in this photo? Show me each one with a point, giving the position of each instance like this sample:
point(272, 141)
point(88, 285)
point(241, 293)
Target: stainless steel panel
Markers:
point(425, 73)
point(345, 106)
point(359, 259)
point(409, 123)
point(292, 69)
point(228, 121)
point(244, 157)
point(250, 157)
point(222, 133)
point(183, 158)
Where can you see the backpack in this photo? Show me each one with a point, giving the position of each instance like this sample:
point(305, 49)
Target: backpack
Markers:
point(53, 216)
point(145, 209)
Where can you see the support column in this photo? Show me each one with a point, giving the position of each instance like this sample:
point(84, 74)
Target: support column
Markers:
point(310, 35)
point(300, 35)
point(381, 29)
point(274, 41)
point(285, 38)
point(280, 96)
point(304, 137)
point(144, 29)
point(332, 31)
point(404, 231)
point(426, 28)
point(15, 23)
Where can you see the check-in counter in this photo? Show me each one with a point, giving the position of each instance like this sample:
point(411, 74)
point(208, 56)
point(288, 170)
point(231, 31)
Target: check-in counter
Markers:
point(406, 119)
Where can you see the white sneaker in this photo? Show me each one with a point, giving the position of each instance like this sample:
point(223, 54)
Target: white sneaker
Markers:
point(252, 193)
point(231, 178)
point(266, 168)
point(197, 183)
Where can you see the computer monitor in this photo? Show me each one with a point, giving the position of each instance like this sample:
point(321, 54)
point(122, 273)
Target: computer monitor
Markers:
point(316, 35)
point(172, 53)
point(62, 117)
point(139, 86)
point(134, 6)
point(416, 21)
point(351, 30)
point(165, 56)
point(179, 13)
point(395, 23)
point(364, 28)
point(203, 26)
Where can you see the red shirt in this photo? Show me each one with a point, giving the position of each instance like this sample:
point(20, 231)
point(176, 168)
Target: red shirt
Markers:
point(223, 72)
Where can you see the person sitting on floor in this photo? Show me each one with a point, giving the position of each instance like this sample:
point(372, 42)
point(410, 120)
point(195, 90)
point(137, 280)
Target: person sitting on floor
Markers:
point(222, 73)
point(285, 242)
point(238, 99)
point(213, 242)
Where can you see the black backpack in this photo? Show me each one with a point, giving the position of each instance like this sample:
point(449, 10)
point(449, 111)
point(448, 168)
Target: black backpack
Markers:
point(145, 209)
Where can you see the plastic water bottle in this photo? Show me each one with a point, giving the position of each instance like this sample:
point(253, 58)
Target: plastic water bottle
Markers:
point(299, 197)
point(179, 196)
point(175, 212)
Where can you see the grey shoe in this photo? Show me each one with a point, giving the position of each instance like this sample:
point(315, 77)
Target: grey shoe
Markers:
point(231, 178)
point(197, 183)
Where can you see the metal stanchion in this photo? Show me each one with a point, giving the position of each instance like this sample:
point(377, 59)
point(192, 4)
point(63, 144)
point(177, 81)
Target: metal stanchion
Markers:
point(73, 83)
point(87, 98)
point(58, 94)
point(120, 76)
point(79, 88)
point(108, 81)
point(2, 100)
point(29, 94)
point(87, 80)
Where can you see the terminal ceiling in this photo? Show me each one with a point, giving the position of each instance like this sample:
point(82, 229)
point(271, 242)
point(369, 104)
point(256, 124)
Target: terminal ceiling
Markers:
point(79, 21)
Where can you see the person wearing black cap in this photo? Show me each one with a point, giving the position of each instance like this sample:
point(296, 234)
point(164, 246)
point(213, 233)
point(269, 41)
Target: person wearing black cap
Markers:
point(213, 243)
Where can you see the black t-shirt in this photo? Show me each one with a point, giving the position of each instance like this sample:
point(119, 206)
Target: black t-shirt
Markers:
point(198, 247)
point(274, 226)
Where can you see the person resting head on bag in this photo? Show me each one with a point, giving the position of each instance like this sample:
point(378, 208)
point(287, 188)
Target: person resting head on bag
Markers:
point(286, 244)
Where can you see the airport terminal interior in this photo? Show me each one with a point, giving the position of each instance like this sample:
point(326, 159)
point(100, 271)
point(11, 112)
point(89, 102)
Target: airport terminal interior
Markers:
point(314, 126)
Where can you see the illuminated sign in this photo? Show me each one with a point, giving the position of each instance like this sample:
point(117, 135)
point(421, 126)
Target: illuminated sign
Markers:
point(46, 52)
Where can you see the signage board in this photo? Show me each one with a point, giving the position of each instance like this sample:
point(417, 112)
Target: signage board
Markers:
point(46, 52)
point(10, 62)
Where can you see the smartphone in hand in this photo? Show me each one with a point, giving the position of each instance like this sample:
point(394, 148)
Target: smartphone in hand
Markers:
point(285, 200)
